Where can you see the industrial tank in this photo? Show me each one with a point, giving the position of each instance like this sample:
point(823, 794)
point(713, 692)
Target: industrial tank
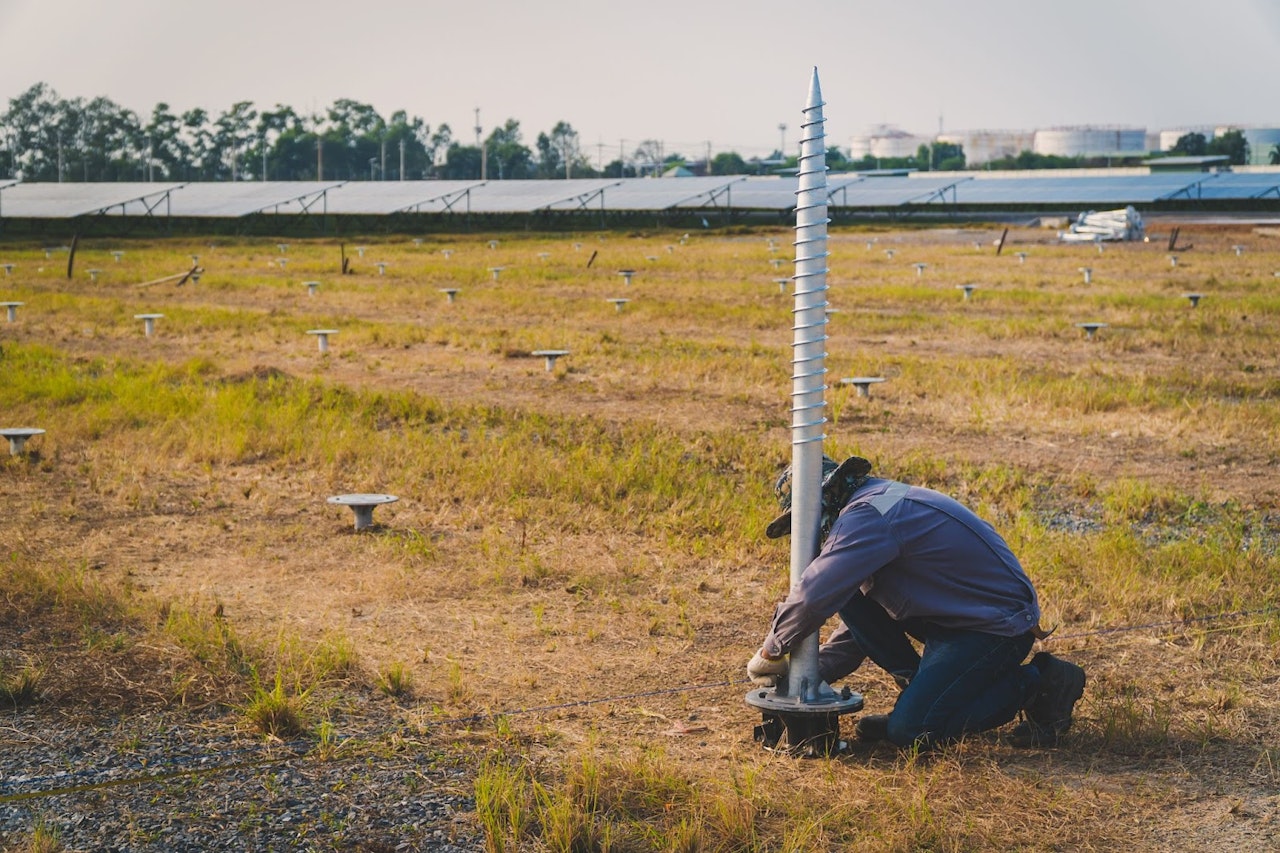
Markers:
point(983, 146)
point(1091, 140)
point(1262, 141)
point(885, 141)
point(1170, 136)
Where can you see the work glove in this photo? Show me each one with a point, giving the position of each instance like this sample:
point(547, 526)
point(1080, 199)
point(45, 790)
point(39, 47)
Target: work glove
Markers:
point(765, 672)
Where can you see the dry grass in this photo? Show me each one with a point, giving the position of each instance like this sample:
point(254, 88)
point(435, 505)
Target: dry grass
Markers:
point(595, 531)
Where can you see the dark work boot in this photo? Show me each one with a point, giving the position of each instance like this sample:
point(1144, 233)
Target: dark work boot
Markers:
point(1048, 714)
point(872, 727)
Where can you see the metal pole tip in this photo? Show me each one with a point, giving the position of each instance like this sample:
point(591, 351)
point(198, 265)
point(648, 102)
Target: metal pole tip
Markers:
point(815, 91)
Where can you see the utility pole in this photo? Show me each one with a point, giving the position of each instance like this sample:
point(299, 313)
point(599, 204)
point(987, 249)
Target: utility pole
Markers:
point(151, 163)
point(402, 159)
point(782, 142)
point(707, 170)
point(319, 158)
point(383, 165)
point(483, 155)
point(264, 158)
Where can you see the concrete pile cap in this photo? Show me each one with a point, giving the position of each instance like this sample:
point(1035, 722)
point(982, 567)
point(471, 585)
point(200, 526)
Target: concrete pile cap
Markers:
point(18, 437)
point(362, 499)
point(20, 432)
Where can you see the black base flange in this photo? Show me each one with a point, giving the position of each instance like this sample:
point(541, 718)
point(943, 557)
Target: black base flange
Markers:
point(803, 735)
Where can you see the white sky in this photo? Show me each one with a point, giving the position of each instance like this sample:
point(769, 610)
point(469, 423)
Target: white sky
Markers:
point(726, 72)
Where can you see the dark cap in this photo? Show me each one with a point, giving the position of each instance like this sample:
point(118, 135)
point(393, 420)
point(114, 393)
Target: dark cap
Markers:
point(837, 480)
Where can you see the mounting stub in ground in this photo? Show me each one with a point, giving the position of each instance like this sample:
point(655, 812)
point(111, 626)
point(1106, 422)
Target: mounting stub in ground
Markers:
point(808, 729)
point(363, 505)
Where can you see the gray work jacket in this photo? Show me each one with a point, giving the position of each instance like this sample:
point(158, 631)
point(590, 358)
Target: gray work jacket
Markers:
point(920, 555)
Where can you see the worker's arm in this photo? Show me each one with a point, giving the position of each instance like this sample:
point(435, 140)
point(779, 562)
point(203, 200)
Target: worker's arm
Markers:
point(860, 543)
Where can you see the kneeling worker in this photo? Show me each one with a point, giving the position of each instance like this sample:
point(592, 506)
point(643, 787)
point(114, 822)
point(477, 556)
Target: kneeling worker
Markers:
point(899, 562)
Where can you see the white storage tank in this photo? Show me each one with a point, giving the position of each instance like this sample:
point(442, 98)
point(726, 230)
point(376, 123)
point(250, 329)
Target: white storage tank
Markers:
point(983, 146)
point(1170, 136)
point(1262, 141)
point(859, 147)
point(1091, 140)
point(885, 141)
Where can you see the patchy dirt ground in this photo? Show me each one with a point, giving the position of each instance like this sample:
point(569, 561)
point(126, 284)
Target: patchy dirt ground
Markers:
point(257, 538)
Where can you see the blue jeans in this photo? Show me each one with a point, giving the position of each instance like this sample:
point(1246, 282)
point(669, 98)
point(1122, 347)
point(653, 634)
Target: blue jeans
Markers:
point(964, 682)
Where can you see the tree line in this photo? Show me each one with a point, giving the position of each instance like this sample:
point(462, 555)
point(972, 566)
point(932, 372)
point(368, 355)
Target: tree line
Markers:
point(44, 137)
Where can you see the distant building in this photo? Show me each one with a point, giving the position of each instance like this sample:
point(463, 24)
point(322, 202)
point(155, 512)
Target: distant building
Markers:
point(1262, 140)
point(885, 141)
point(983, 146)
point(1170, 137)
point(1091, 141)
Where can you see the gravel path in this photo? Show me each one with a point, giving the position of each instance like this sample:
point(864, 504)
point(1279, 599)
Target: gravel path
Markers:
point(166, 781)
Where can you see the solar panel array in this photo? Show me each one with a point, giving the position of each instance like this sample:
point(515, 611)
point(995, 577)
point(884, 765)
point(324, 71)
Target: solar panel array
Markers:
point(1102, 190)
point(655, 194)
point(377, 198)
point(244, 198)
point(845, 191)
point(896, 191)
point(752, 193)
point(1240, 185)
point(66, 201)
point(528, 196)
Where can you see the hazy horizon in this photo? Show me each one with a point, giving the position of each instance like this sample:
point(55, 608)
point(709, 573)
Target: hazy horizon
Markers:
point(727, 74)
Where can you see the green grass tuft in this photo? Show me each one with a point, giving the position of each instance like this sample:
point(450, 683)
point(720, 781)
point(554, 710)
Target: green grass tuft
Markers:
point(276, 713)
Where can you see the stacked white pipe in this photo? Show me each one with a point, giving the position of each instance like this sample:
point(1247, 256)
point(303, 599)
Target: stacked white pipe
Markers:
point(1096, 225)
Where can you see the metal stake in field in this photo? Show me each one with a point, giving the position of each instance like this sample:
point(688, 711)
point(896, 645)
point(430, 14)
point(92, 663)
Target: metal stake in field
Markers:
point(801, 714)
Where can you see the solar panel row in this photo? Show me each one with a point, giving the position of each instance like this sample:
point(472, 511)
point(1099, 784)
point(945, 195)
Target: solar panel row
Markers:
point(852, 191)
